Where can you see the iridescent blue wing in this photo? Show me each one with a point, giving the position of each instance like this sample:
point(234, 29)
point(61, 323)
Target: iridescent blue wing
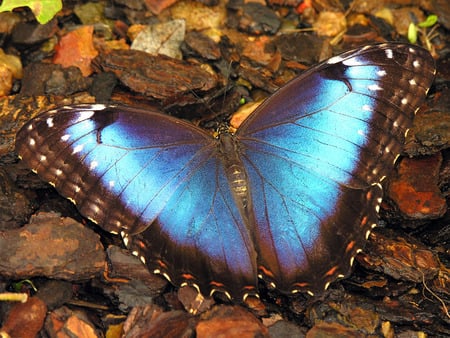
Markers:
point(131, 170)
point(316, 152)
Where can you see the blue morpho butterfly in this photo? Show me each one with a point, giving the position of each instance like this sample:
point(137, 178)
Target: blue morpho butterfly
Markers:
point(290, 197)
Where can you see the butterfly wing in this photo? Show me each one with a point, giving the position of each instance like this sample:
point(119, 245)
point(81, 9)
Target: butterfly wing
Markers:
point(142, 172)
point(315, 153)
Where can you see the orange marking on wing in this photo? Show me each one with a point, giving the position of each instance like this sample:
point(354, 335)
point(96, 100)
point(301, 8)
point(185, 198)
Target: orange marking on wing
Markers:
point(161, 264)
point(350, 246)
point(266, 272)
point(140, 244)
point(332, 271)
point(188, 276)
point(303, 285)
point(364, 221)
point(217, 285)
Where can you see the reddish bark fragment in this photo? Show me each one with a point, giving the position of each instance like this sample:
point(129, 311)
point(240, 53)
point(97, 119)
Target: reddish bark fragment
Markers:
point(203, 45)
point(416, 191)
point(25, 319)
point(157, 6)
point(332, 330)
point(64, 322)
point(51, 246)
point(230, 321)
point(160, 77)
point(151, 321)
point(400, 259)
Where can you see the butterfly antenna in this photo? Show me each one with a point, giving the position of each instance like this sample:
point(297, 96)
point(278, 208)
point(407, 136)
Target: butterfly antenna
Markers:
point(223, 92)
point(227, 84)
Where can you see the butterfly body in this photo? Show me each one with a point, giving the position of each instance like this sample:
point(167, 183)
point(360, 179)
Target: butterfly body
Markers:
point(290, 197)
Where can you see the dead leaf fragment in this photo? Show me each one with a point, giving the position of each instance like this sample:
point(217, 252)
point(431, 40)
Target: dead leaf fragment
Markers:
point(330, 24)
point(77, 49)
point(162, 38)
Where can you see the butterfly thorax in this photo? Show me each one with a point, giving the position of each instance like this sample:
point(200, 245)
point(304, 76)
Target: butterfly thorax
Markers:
point(235, 171)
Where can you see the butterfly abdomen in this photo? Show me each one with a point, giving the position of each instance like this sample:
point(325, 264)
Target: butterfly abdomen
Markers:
point(235, 171)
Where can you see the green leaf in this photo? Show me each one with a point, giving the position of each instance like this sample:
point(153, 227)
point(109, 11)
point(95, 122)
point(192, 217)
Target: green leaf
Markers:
point(18, 286)
point(44, 10)
point(412, 33)
point(429, 21)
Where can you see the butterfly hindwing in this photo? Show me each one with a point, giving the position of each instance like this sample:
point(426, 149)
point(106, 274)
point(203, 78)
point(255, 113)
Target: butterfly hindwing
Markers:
point(200, 236)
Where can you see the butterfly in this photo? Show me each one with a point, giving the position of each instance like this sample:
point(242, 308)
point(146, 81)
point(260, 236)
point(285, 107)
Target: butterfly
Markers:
point(290, 197)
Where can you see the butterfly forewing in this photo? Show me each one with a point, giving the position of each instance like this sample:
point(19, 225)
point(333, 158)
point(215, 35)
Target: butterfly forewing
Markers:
point(116, 164)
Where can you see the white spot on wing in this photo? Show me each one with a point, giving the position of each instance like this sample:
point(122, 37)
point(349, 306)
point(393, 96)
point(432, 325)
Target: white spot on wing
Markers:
point(90, 111)
point(97, 106)
point(352, 260)
point(32, 142)
point(126, 241)
point(111, 185)
point(389, 53)
point(352, 62)
point(381, 73)
point(93, 165)
point(77, 149)
point(58, 172)
point(416, 64)
point(65, 137)
point(412, 82)
point(85, 114)
point(30, 127)
point(50, 122)
point(43, 158)
point(334, 59)
point(404, 101)
point(374, 87)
